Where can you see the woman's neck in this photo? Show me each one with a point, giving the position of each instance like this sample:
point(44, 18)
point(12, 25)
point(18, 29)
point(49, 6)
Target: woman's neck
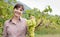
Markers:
point(15, 19)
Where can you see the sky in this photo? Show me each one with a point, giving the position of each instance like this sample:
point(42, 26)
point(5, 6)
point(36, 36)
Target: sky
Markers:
point(41, 4)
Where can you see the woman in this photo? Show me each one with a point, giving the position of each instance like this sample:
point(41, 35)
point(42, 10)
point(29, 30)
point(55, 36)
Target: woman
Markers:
point(16, 26)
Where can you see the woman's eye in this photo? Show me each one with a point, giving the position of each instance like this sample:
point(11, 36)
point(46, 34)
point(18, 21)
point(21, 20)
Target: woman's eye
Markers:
point(21, 10)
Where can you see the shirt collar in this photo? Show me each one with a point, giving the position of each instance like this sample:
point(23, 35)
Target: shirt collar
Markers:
point(11, 20)
point(14, 23)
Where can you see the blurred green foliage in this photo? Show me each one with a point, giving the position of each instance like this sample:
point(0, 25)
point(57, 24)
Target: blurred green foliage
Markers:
point(6, 7)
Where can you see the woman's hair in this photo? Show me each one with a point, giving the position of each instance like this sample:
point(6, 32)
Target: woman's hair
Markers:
point(18, 6)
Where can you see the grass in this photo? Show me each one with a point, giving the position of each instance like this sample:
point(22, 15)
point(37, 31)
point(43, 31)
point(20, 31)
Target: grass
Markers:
point(47, 32)
point(48, 35)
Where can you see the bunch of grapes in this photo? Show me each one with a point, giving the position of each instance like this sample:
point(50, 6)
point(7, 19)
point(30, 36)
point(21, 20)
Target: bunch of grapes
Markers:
point(31, 27)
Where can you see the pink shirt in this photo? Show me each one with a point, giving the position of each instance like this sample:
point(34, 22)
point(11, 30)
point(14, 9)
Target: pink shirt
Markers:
point(15, 30)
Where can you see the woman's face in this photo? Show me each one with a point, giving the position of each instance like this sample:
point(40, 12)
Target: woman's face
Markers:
point(18, 12)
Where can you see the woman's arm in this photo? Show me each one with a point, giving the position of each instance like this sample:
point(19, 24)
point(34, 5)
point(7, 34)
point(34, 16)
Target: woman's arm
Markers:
point(5, 30)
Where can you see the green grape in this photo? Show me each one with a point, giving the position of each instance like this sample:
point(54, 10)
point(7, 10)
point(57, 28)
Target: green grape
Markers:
point(29, 23)
point(31, 27)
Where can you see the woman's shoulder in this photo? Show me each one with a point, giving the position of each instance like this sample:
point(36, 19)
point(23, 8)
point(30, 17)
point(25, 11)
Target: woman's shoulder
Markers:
point(6, 22)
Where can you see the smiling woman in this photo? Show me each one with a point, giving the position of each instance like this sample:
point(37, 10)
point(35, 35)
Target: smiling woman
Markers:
point(16, 26)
